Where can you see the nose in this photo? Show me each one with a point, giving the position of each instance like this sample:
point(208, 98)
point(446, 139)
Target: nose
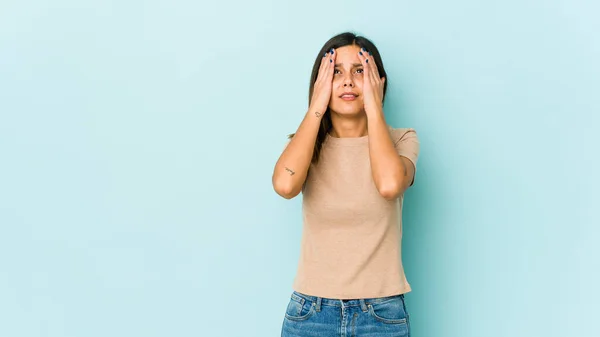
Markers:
point(348, 80)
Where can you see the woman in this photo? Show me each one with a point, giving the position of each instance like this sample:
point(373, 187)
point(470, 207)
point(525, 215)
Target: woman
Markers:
point(352, 169)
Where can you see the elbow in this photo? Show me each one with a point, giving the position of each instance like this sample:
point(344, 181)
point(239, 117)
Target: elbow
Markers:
point(390, 191)
point(286, 194)
point(284, 190)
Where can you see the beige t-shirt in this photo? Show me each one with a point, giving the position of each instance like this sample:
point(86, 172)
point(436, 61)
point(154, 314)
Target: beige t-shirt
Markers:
point(351, 236)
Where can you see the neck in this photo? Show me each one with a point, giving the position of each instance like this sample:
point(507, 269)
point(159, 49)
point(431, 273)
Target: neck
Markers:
point(348, 126)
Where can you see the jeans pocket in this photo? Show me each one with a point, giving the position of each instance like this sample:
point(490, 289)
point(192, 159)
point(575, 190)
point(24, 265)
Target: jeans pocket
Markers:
point(299, 309)
point(391, 311)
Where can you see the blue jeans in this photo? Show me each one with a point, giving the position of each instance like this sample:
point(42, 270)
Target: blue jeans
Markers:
point(308, 316)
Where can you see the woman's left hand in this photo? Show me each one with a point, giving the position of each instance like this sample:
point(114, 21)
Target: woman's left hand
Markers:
point(372, 83)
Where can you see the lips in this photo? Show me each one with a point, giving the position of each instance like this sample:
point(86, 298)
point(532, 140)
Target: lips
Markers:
point(348, 95)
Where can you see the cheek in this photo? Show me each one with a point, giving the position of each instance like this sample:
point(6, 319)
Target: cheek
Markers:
point(359, 84)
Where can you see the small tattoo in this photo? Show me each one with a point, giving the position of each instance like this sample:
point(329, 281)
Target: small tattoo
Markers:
point(290, 171)
point(318, 114)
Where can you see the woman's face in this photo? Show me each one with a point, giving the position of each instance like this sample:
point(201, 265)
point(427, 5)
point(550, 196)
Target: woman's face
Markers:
point(347, 77)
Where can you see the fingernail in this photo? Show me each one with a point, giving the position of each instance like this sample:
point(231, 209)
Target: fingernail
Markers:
point(324, 54)
point(370, 53)
point(360, 52)
point(332, 50)
point(363, 49)
point(330, 60)
point(367, 60)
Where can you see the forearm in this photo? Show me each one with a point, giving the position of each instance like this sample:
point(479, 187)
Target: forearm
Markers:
point(386, 166)
point(292, 166)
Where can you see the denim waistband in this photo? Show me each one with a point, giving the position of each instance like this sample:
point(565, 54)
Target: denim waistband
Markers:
point(362, 302)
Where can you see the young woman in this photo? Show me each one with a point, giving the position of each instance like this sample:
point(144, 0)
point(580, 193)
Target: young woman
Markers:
point(352, 169)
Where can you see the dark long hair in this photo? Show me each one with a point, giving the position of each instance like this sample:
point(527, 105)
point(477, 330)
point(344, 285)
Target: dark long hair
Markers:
point(340, 40)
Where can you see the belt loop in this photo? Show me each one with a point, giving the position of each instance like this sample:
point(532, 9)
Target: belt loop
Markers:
point(318, 304)
point(363, 305)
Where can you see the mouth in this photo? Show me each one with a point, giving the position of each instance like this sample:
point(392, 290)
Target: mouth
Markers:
point(348, 96)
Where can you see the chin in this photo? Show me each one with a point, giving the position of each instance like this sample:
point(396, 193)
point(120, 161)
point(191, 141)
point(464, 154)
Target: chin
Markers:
point(347, 110)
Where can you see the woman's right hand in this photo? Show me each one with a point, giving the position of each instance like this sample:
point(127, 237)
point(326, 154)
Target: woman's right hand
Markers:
point(292, 166)
point(323, 85)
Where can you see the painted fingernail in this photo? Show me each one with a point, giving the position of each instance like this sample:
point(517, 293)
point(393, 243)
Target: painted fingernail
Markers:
point(360, 52)
point(324, 54)
point(367, 60)
point(370, 53)
point(331, 50)
point(363, 49)
point(330, 60)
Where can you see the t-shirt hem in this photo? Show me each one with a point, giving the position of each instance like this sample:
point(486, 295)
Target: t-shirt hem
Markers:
point(405, 288)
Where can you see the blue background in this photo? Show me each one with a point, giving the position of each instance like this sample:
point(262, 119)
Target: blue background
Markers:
point(138, 139)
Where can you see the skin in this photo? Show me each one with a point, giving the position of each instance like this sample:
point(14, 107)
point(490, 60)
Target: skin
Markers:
point(345, 69)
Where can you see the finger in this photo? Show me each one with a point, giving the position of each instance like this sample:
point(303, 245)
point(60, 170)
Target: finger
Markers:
point(323, 66)
point(369, 65)
point(328, 64)
point(326, 61)
point(330, 68)
point(362, 57)
point(372, 66)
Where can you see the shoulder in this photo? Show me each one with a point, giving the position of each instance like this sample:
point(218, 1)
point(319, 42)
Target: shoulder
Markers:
point(406, 142)
point(403, 134)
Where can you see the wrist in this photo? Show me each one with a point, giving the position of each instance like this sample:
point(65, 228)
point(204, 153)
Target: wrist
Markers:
point(374, 111)
point(316, 111)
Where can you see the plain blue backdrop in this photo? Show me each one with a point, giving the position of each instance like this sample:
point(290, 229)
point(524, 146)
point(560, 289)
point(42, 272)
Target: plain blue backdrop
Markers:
point(138, 139)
